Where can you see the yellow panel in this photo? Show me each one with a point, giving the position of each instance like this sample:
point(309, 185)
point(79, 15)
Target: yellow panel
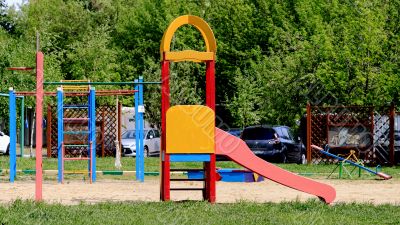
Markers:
point(190, 129)
point(200, 24)
point(189, 55)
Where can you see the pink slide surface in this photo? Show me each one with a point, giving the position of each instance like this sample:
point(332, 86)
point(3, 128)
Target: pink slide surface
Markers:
point(237, 150)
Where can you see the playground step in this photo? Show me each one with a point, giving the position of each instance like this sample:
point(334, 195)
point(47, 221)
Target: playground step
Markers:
point(71, 146)
point(76, 106)
point(76, 158)
point(185, 179)
point(76, 119)
point(187, 189)
point(77, 132)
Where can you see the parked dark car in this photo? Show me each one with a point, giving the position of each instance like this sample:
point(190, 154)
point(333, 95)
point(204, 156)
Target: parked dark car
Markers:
point(274, 143)
point(235, 131)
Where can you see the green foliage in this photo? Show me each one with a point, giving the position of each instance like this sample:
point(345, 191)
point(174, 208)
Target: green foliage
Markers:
point(273, 56)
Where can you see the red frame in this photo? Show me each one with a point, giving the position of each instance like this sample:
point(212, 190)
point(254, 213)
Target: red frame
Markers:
point(209, 167)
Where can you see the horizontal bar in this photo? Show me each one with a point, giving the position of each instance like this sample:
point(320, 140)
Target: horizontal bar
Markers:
point(75, 119)
point(113, 172)
point(98, 93)
point(76, 132)
point(189, 157)
point(7, 95)
point(75, 106)
point(100, 172)
point(76, 172)
point(76, 158)
point(72, 146)
point(186, 170)
point(187, 189)
point(99, 83)
point(22, 68)
point(184, 179)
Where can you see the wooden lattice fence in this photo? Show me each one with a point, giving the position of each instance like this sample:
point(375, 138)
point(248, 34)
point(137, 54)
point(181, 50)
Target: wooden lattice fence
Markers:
point(367, 130)
point(107, 123)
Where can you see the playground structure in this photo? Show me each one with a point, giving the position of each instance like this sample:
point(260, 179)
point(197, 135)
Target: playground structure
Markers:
point(40, 94)
point(90, 133)
point(367, 130)
point(189, 133)
point(351, 162)
point(77, 122)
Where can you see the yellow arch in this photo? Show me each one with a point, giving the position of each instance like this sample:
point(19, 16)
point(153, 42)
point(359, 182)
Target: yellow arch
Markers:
point(188, 55)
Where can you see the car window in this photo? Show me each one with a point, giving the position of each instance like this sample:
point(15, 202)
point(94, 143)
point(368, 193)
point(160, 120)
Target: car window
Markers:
point(285, 133)
point(290, 132)
point(279, 131)
point(156, 133)
point(150, 133)
point(129, 135)
point(258, 133)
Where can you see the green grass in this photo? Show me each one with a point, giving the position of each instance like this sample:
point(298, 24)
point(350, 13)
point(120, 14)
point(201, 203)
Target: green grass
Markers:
point(312, 212)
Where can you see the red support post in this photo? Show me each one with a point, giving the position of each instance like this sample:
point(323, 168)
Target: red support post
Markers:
point(165, 163)
point(210, 169)
point(39, 121)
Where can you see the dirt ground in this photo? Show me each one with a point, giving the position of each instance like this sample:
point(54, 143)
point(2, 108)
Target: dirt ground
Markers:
point(74, 192)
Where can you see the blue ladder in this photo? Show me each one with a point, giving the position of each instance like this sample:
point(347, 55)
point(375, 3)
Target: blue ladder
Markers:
point(90, 132)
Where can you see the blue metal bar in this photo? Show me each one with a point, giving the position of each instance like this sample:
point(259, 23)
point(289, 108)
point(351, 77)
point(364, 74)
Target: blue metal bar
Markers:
point(137, 138)
point(92, 129)
point(13, 135)
point(141, 128)
point(60, 135)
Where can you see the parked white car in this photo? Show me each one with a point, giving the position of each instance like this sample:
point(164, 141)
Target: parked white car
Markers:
point(151, 142)
point(4, 143)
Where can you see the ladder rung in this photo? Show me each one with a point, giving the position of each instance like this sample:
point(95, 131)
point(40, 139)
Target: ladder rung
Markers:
point(76, 146)
point(186, 170)
point(76, 158)
point(75, 119)
point(76, 132)
point(76, 106)
point(184, 179)
point(187, 189)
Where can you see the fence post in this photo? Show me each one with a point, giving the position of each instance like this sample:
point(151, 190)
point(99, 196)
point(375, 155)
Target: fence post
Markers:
point(309, 158)
point(22, 135)
point(48, 131)
point(391, 134)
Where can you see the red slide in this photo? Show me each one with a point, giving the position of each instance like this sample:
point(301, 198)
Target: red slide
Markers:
point(237, 151)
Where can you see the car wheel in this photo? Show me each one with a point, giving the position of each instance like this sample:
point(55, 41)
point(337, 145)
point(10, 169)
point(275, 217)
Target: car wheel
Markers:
point(8, 149)
point(146, 151)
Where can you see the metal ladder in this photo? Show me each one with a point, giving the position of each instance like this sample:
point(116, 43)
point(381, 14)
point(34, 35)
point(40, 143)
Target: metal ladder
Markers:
point(90, 133)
